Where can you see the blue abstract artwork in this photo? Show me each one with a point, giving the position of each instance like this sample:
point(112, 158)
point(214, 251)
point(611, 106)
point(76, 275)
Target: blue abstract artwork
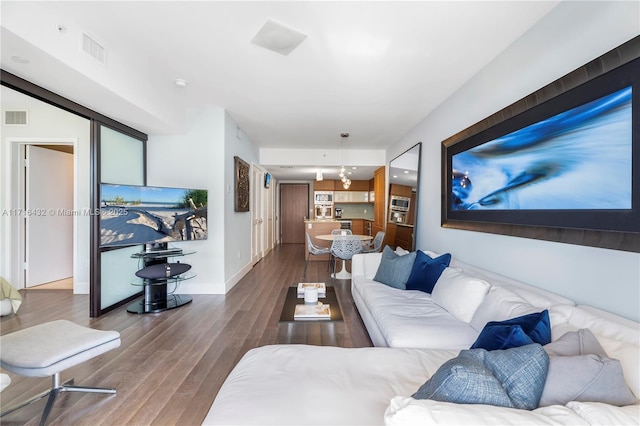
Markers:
point(576, 160)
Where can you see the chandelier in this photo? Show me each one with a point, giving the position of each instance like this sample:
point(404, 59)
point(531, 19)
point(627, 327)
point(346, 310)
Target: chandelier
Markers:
point(346, 182)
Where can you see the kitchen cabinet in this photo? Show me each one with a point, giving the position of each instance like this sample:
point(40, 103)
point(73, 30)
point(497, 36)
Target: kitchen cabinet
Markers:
point(351, 197)
point(379, 201)
point(400, 190)
point(357, 226)
point(323, 185)
point(356, 185)
point(404, 237)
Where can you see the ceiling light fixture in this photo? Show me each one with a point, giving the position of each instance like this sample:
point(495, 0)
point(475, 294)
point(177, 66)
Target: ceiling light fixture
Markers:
point(346, 182)
point(180, 82)
point(319, 176)
point(278, 38)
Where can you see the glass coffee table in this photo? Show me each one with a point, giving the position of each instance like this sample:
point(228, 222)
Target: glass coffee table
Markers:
point(292, 299)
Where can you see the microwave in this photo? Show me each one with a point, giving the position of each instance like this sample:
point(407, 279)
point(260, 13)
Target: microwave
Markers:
point(399, 203)
point(323, 197)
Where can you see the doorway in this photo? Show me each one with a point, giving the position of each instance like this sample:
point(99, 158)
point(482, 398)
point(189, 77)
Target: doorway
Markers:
point(294, 208)
point(43, 190)
point(48, 222)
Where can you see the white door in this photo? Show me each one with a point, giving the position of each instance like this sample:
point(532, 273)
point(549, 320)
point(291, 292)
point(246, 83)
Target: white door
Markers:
point(257, 220)
point(49, 215)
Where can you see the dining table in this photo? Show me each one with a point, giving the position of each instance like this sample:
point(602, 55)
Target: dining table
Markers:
point(343, 274)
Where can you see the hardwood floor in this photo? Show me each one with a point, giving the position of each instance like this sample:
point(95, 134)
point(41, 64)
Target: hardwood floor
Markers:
point(171, 365)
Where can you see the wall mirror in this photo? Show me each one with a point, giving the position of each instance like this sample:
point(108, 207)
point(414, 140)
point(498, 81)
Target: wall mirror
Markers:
point(404, 176)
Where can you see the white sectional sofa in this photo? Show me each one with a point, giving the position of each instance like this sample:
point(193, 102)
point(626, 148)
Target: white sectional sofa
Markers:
point(411, 319)
point(301, 384)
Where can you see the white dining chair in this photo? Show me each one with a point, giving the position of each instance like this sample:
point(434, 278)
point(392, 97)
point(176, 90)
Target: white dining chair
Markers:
point(344, 247)
point(314, 250)
point(374, 246)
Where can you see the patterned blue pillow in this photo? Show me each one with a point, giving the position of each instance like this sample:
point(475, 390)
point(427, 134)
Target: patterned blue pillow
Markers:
point(514, 332)
point(511, 378)
point(394, 269)
point(426, 271)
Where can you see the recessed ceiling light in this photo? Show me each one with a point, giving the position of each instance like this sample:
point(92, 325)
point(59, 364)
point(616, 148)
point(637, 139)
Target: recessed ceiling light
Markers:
point(278, 38)
point(180, 82)
point(20, 59)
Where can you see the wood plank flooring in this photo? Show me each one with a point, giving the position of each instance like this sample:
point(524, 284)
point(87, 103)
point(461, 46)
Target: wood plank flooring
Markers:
point(171, 365)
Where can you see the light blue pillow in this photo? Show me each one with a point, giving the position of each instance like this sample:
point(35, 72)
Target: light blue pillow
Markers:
point(511, 378)
point(394, 269)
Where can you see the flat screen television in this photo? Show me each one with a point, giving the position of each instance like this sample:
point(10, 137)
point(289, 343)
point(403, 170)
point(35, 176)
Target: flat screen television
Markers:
point(134, 215)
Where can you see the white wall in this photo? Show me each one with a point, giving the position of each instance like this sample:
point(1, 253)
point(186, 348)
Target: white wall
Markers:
point(237, 238)
point(46, 124)
point(571, 35)
point(195, 160)
point(202, 158)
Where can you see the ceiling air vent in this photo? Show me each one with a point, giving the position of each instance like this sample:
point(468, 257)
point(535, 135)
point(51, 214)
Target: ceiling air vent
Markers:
point(94, 49)
point(15, 118)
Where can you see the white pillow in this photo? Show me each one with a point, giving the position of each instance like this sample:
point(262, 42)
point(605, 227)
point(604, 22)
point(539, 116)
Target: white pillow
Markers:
point(498, 305)
point(401, 252)
point(459, 294)
point(403, 411)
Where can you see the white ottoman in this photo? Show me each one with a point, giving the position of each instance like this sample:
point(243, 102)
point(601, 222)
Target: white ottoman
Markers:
point(47, 349)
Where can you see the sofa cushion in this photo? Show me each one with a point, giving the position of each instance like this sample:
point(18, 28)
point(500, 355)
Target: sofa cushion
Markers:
point(586, 378)
point(507, 378)
point(394, 269)
point(426, 271)
point(619, 337)
point(404, 411)
point(579, 342)
point(579, 370)
point(596, 413)
point(459, 294)
point(523, 330)
point(409, 318)
point(500, 304)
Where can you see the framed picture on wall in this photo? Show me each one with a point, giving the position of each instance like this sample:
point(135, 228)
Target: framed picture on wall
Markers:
point(241, 185)
point(563, 164)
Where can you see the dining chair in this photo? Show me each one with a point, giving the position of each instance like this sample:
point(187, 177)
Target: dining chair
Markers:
point(340, 232)
point(374, 246)
point(314, 250)
point(344, 247)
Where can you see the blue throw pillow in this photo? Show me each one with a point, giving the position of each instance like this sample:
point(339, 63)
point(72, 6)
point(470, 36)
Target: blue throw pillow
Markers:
point(426, 271)
point(512, 378)
point(394, 269)
point(511, 333)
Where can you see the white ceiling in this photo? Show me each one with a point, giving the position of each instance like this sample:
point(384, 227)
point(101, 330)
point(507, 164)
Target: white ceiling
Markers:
point(370, 68)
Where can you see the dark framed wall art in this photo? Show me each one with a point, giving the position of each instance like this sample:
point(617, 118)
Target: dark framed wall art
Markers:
point(562, 164)
point(241, 174)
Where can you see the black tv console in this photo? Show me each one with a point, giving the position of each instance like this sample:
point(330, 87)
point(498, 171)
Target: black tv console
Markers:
point(156, 274)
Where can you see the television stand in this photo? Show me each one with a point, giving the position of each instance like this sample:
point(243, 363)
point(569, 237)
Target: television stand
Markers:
point(158, 273)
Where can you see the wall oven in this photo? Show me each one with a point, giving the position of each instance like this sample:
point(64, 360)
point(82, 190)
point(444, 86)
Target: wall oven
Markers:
point(324, 211)
point(398, 208)
point(323, 197)
point(399, 203)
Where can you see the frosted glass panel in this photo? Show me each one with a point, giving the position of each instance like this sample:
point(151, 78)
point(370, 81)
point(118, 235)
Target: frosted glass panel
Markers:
point(121, 158)
point(121, 162)
point(118, 272)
